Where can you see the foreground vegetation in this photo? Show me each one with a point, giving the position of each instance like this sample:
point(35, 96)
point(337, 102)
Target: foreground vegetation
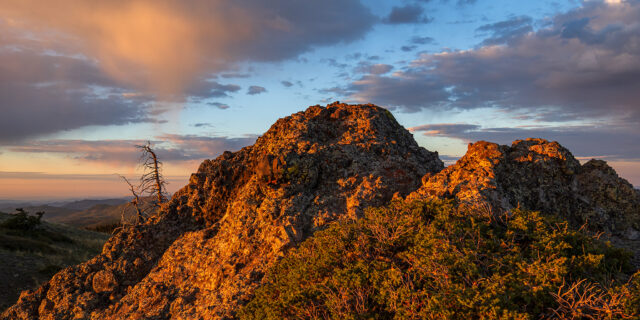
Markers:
point(31, 251)
point(432, 260)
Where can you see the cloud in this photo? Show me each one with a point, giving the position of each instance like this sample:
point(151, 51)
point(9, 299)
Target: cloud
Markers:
point(410, 13)
point(49, 176)
point(422, 40)
point(585, 64)
point(600, 141)
point(287, 84)
point(165, 46)
point(505, 31)
point(253, 90)
point(408, 48)
point(235, 75)
point(193, 147)
point(371, 68)
point(407, 90)
point(211, 89)
point(42, 93)
point(218, 105)
point(445, 129)
point(170, 148)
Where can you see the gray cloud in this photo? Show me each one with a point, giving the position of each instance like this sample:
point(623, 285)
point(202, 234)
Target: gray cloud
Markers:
point(286, 83)
point(408, 90)
point(505, 31)
point(191, 40)
point(408, 48)
point(218, 105)
point(209, 88)
point(445, 129)
point(591, 71)
point(601, 141)
point(253, 90)
point(371, 68)
point(410, 13)
point(45, 93)
point(235, 75)
point(170, 148)
point(60, 71)
point(422, 40)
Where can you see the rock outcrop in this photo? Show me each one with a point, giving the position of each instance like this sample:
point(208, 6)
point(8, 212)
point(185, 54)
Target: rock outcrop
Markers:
point(207, 250)
point(210, 246)
point(539, 175)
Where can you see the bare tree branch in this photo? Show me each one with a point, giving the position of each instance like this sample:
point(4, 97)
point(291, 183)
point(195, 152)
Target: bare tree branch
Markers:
point(152, 182)
point(135, 202)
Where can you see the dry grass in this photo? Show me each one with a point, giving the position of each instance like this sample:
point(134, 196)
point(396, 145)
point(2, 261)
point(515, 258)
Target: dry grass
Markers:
point(27, 259)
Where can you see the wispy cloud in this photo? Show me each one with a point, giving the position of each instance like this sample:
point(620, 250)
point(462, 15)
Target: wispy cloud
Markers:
point(410, 13)
point(165, 46)
point(614, 143)
point(253, 90)
point(584, 64)
point(44, 93)
point(170, 148)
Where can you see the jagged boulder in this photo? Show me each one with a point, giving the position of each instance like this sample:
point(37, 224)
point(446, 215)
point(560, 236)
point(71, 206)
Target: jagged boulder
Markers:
point(209, 247)
point(539, 175)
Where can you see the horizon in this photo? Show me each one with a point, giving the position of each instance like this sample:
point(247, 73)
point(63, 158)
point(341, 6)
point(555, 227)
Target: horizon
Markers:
point(82, 84)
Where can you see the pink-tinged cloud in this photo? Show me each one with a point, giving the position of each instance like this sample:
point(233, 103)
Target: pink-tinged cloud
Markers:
point(170, 148)
point(180, 154)
point(43, 186)
point(167, 45)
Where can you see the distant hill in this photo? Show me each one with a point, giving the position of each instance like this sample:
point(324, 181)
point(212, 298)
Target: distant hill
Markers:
point(30, 258)
point(90, 203)
point(98, 214)
point(83, 213)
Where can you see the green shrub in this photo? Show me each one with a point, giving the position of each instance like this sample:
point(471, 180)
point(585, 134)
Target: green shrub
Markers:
point(22, 220)
point(432, 260)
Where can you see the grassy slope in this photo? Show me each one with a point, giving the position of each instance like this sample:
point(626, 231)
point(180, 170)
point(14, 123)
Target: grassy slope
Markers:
point(29, 258)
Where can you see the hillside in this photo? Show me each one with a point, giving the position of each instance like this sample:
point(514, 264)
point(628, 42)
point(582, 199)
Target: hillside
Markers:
point(29, 258)
point(229, 231)
point(88, 213)
point(92, 214)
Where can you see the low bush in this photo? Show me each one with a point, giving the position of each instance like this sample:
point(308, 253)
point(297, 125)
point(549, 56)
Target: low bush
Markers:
point(22, 220)
point(433, 260)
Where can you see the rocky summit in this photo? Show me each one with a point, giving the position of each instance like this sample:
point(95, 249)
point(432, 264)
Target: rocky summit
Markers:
point(209, 247)
point(539, 175)
point(207, 250)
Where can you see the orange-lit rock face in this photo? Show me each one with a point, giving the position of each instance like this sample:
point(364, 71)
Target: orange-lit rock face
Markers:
point(210, 246)
point(213, 242)
point(540, 175)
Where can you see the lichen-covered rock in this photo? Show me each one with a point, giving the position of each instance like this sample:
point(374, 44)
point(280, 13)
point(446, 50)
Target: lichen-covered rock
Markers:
point(209, 247)
point(539, 175)
point(104, 281)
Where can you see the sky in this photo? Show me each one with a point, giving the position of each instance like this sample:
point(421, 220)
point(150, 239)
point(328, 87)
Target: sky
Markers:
point(83, 82)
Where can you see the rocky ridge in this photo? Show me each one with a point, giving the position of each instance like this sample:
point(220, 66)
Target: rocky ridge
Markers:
point(211, 244)
point(539, 175)
point(209, 247)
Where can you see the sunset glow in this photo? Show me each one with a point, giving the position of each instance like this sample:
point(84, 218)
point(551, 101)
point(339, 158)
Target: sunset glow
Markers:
point(83, 82)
